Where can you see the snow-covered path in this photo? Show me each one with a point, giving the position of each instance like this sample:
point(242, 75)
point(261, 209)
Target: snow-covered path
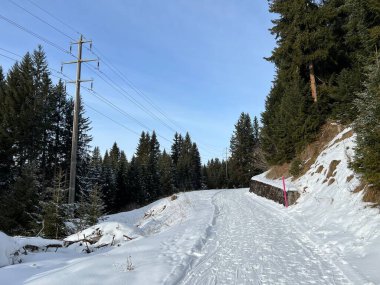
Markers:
point(254, 243)
point(201, 237)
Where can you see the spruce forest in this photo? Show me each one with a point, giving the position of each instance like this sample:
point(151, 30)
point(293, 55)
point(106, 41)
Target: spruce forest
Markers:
point(327, 67)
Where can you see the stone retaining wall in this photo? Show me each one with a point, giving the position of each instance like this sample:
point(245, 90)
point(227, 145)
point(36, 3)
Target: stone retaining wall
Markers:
point(273, 193)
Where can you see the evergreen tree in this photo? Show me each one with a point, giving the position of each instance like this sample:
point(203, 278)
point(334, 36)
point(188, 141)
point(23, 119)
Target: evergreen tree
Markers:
point(142, 159)
point(133, 183)
point(216, 174)
point(242, 147)
point(6, 150)
point(155, 190)
point(22, 215)
point(22, 110)
point(95, 168)
point(196, 168)
point(83, 181)
point(55, 210)
point(184, 165)
point(109, 183)
point(123, 197)
point(95, 206)
point(367, 127)
point(165, 174)
point(176, 149)
point(115, 156)
point(55, 156)
point(35, 137)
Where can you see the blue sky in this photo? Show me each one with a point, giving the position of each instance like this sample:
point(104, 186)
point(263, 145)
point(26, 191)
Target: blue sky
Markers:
point(200, 62)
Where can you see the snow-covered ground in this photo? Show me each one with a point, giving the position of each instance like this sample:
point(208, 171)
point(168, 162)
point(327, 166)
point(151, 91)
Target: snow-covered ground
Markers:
point(332, 214)
point(205, 237)
point(223, 237)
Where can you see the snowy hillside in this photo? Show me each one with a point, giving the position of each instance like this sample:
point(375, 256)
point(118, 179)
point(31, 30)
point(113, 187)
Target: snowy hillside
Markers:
point(330, 210)
point(221, 237)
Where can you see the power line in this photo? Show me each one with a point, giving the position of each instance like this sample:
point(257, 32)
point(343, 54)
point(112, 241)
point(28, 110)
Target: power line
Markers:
point(121, 111)
point(130, 98)
point(134, 88)
point(116, 122)
point(50, 68)
point(54, 17)
point(121, 90)
point(11, 52)
point(70, 27)
point(35, 34)
point(106, 101)
point(11, 58)
point(125, 94)
point(96, 94)
point(117, 71)
point(42, 20)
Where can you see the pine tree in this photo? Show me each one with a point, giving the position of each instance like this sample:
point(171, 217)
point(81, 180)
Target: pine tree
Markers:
point(54, 210)
point(258, 159)
point(133, 183)
point(176, 149)
point(216, 174)
point(95, 168)
point(155, 190)
point(43, 108)
point(367, 127)
point(22, 207)
point(142, 159)
point(109, 183)
point(20, 119)
point(196, 168)
point(6, 151)
point(165, 174)
point(122, 192)
point(114, 156)
point(83, 181)
point(241, 147)
point(95, 206)
point(184, 165)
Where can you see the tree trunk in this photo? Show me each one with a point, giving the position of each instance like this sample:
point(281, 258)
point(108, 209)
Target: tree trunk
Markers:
point(313, 85)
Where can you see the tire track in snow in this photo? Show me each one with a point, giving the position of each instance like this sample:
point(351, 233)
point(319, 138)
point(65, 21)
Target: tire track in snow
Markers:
point(252, 244)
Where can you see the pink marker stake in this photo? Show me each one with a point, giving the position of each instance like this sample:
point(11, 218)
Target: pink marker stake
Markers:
point(285, 197)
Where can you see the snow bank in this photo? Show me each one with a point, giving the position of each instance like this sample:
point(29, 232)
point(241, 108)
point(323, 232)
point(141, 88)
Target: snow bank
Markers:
point(11, 248)
point(166, 236)
point(7, 247)
point(106, 233)
point(332, 211)
point(123, 227)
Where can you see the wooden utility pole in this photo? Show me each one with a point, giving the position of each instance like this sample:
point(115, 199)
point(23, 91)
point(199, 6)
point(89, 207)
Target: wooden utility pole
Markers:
point(313, 84)
point(74, 141)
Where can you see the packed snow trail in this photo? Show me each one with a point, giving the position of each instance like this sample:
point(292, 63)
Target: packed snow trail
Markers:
point(250, 243)
point(200, 237)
